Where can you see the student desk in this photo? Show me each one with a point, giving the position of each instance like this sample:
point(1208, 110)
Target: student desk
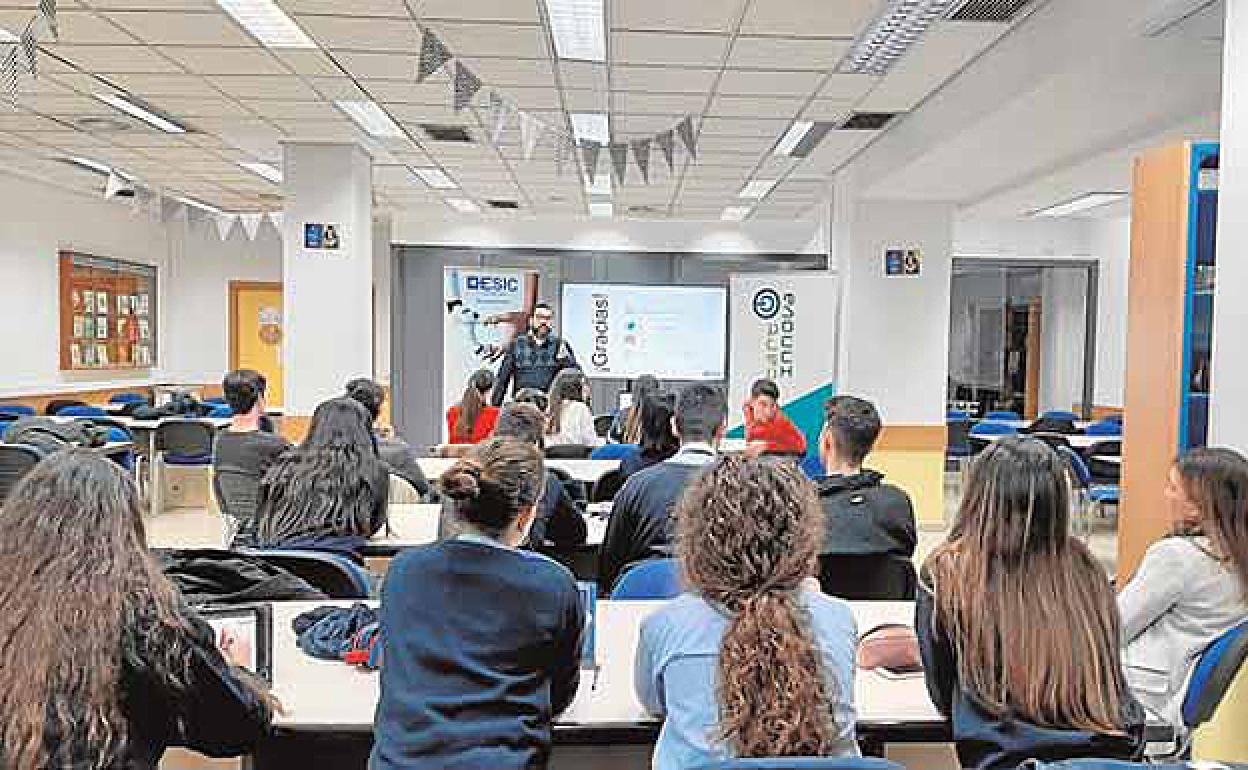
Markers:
point(588, 471)
point(411, 524)
point(330, 705)
point(1076, 442)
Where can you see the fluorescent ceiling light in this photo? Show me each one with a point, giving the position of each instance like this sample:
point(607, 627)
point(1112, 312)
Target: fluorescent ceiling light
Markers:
point(7, 36)
point(757, 188)
point(435, 178)
point(891, 35)
point(371, 118)
point(199, 205)
point(796, 133)
point(265, 170)
point(591, 126)
point(601, 186)
point(735, 213)
point(1080, 204)
point(463, 205)
point(267, 23)
point(90, 165)
point(579, 28)
point(601, 209)
point(142, 113)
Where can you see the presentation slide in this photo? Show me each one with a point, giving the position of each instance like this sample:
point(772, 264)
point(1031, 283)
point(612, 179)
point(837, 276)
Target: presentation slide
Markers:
point(622, 331)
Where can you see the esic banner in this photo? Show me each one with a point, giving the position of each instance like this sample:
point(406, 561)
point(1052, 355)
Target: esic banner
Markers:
point(485, 309)
point(784, 328)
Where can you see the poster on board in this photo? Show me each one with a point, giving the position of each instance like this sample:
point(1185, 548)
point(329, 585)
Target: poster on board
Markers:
point(484, 310)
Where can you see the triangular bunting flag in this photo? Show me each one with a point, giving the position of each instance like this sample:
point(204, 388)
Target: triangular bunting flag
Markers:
point(466, 86)
point(666, 144)
point(563, 152)
point(116, 185)
point(641, 154)
point(685, 128)
point(499, 112)
point(8, 74)
point(433, 55)
point(530, 134)
point(47, 9)
point(30, 47)
point(277, 218)
point(251, 223)
point(589, 154)
point(619, 161)
point(224, 223)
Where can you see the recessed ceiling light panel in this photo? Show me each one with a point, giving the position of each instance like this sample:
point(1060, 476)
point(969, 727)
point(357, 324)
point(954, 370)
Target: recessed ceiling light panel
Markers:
point(1079, 205)
point(435, 178)
point(591, 127)
point(265, 170)
point(267, 23)
point(371, 117)
point(579, 29)
point(886, 39)
point(136, 109)
point(757, 188)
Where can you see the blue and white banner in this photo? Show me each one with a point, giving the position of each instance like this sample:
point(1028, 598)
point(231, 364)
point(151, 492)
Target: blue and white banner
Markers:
point(784, 328)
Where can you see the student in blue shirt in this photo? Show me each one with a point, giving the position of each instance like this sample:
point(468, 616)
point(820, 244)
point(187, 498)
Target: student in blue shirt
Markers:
point(482, 641)
point(754, 661)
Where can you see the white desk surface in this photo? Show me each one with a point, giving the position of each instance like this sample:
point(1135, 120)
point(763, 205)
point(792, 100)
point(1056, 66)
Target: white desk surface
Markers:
point(1076, 442)
point(581, 470)
point(329, 696)
point(411, 524)
point(132, 423)
point(1020, 424)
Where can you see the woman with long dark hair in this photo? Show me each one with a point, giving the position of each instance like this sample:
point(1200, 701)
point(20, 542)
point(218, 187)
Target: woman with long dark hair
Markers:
point(329, 493)
point(569, 421)
point(1017, 622)
point(779, 653)
point(472, 420)
point(626, 427)
point(657, 441)
point(1191, 587)
point(105, 666)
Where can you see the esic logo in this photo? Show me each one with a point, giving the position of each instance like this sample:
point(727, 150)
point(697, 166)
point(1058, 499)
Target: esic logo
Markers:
point(766, 304)
point(492, 283)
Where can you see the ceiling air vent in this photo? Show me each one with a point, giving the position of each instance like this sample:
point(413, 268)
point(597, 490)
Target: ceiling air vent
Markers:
point(999, 11)
point(867, 121)
point(440, 133)
point(496, 204)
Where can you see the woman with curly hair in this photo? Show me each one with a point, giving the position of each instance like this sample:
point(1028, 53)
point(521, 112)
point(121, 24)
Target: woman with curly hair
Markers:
point(754, 661)
point(104, 665)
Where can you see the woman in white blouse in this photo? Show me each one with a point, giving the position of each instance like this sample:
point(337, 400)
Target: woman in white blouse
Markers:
point(569, 421)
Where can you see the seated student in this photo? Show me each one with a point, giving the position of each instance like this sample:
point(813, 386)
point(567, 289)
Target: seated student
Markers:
point(537, 398)
point(329, 493)
point(863, 514)
point(559, 520)
point(243, 452)
point(754, 661)
point(108, 664)
point(569, 421)
point(658, 442)
point(471, 421)
point(1017, 623)
point(640, 526)
point(482, 642)
point(1192, 586)
point(767, 429)
point(398, 456)
point(626, 425)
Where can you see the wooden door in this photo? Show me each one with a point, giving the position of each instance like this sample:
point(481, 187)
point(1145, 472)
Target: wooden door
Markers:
point(256, 332)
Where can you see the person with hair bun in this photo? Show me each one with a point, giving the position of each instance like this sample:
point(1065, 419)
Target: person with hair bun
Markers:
point(754, 661)
point(481, 640)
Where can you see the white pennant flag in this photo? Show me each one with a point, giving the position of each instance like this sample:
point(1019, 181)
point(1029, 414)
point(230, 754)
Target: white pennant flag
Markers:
point(117, 186)
point(225, 223)
point(251, 223)
point(530, 134)
point(277, 218)
point(499, 112)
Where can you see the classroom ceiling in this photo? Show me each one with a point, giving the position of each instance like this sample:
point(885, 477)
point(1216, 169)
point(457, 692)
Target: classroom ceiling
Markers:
point(746, 69)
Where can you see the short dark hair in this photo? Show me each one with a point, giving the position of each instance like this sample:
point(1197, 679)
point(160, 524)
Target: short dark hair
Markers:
point(765, 387)
point(369, 394)
point(243, 388)
point(854, 425)
point(701, 410)
point(522, 421)
point(535, 396)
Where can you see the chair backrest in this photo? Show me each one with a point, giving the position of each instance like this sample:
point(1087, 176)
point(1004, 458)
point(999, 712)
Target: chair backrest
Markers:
point(55, 406)
point(221, 410)
point(568, 452)
point(402, 491)
point(653, 579)
point(20, 410)
point(804, 763)
point(1008, 416)
point(337, 576)
point(613, 451)
point(868, 577)
point(993, 429)
point(218, 401)
point(185, 437)
point(1104, 428)
point(1215, 671)
point(957, 414)
point(1058, 414)
point(16, 460)
point(237, 492)
point(603, 423)
point(606, 487)
point(959, 435)
point(82, 411)
point(1077, 466)
point(128, 398)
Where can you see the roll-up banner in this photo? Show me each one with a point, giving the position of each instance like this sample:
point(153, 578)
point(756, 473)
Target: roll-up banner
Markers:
point(485, 308)
point(784, 327)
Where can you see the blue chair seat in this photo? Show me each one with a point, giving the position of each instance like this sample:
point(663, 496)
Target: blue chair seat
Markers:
point(1215, 671)
point(187, 460)
point(990, 428)
point(128, 398)
point(1104, 493)
point(221, 411)
point(81, 411)
point(1105, 428)
point(1006, 416)
point(1058, 414)
point(18, 410)
point(654, 579)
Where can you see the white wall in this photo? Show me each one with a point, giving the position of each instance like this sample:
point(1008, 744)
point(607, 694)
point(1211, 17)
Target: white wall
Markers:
point(1111, 243)
point(1047, 238)
point(1064, 329)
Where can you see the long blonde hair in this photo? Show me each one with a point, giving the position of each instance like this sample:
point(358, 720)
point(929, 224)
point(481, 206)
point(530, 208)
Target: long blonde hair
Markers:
point(1031, 614)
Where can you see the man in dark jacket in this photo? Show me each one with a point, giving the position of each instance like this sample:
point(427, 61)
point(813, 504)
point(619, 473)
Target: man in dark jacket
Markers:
point(864, 515)
point(535, 357)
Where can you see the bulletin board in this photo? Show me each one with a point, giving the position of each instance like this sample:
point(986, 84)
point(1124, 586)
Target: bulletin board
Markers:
point(108, 313)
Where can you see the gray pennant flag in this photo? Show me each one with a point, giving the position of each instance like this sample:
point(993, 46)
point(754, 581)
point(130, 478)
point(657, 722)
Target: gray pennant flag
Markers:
point(666, 144)
point(47, 9)
point(30, 47)
point(563, 152)
point(685, 127)
point(8, 75)
point(589, 153)
point(498, 117)
point(433, 55)
point(641, 154)
point(619, 161)
point(466, 86)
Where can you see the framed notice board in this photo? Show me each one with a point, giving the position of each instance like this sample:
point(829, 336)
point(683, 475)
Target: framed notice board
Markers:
point(108, 313)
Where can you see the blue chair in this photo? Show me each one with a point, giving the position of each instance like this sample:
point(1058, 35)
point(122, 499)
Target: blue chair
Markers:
point(653, 579)
point(1003, 417)
point(18, 410)
point(215, 401)
point(1092, 495)
point(1215, 671)
point(117, 434)
point(1105, 428)
point(812, 466)
point(993, 429)
point(614, 451)
point(81, 411)
point(957, 414)
point(804, 763)
point(336, 575)
point(1060, 415)
point(128, 398)
point(221, 411)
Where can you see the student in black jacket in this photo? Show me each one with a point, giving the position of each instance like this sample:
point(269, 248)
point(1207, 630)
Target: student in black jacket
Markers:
point(1017, 623)
point(559, 521)
point(863, 515)
point(398, 456)
point(482, 641)
point(107, 666)
point(243, 452)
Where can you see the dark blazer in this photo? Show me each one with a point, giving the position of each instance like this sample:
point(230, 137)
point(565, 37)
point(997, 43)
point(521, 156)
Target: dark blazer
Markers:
point(865, 516)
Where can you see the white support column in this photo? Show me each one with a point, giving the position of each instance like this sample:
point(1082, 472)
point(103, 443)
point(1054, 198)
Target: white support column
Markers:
point(328, 291)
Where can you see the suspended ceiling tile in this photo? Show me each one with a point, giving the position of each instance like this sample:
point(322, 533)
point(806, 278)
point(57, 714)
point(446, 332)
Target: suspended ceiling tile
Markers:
point(264, 87)
point(691, 15)
point(786, 53)
point(493, 40)
point(769, 82)
point(362, 34)
point(286, 110)
point(503, 73)
point(662, 79)
point(842, 18)
point(433, 11)
point(202, 107)
point(114, 58)
point(384, 66)
point(940, 55)
point(148, 86)
point(849, 87)
point(714, 126)
point(630, 102)
point(308, 62)
point(395, 8)
point(214, 28)
point(752, 106)
point(668, 49)
point(336, 88)
point(225, 61)
point(76, 27)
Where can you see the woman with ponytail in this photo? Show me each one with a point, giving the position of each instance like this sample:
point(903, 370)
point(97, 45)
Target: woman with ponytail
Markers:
point(472, 420)
point(779, 652)
point(482, 641)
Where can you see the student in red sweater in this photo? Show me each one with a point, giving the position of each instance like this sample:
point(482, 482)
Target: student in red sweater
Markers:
point(767, 429)
point(472, 420)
